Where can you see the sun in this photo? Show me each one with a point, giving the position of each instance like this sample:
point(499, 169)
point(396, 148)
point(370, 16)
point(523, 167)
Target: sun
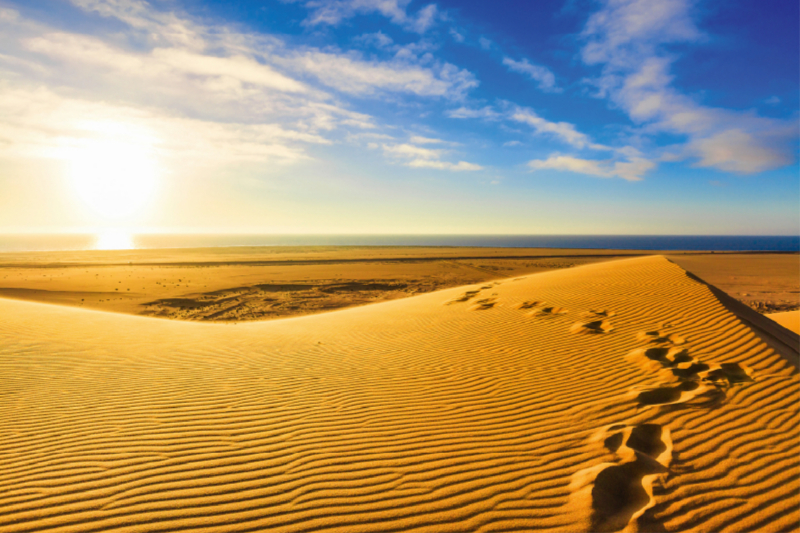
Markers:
point(114, 179)
point(114, 240)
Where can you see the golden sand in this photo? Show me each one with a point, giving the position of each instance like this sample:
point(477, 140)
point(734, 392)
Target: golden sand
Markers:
point(788, 319)
point(614, 396)
point(254, 283)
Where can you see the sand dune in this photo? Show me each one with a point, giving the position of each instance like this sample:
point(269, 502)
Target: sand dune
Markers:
point(614, 396)
point(255, 283)
point(788, 319)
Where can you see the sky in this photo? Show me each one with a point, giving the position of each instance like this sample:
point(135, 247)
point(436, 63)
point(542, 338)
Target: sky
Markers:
point(400, 116)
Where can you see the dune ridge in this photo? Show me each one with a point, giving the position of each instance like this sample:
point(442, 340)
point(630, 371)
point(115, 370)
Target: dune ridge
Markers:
point(624, 395)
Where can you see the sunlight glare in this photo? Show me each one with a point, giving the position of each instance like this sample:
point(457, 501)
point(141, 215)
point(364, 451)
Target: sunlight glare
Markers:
point(114, 240)
point(114, 179)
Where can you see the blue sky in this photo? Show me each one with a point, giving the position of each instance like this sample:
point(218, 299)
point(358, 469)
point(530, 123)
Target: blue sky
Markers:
point(394, 116)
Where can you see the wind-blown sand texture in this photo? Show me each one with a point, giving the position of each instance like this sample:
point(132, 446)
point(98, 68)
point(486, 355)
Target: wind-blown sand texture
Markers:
point(611, 396)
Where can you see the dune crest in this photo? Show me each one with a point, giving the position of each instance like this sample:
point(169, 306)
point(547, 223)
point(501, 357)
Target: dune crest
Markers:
point(619, 396)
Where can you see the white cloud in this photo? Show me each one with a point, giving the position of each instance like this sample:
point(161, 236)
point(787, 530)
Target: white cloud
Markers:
point(39, 123)
point(377, 39)
point(625, 30)
point(168, 61)
point(444, 165)
point(205, 94)
point(546, 80)
point(631, 170)
point(350, 73)
point(736, 150)
point(236, 70)
point(563, 131)
point(485, 43)
point(457, 36)
point(409, 150)
point(627, 37)
point(426, 17)
point(486, 113)
point(418, 139)
point(419, 157)
point(247, 58)
point(218, 75)
point(333, 12)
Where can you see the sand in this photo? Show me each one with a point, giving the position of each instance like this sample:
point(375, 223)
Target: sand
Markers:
point(625, 395)
point(766, 282)
point(237, 284)
point(788, 319)
point(255, 283)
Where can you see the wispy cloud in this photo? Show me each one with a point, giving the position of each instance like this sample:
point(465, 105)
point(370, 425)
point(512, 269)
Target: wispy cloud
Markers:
point(415, 156)
point(205, 82)
point(626, 162)
point(563, 131)
point(631, 170)
point(627, 37)
point(351, 73)
point(418, 139)
point(333, 12)
point(486, 113)
point(546, 80)
point(40, 123)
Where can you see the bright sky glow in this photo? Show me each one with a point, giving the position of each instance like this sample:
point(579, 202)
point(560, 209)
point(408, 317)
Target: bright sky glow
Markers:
point(111, 239)
point(400, 116)
point(113, 179)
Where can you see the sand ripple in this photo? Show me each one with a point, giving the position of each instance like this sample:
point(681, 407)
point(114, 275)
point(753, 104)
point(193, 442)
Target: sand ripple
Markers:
point(675, 411)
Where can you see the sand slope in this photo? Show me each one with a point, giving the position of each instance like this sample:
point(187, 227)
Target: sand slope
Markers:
point(788, 319)
point(609, 396)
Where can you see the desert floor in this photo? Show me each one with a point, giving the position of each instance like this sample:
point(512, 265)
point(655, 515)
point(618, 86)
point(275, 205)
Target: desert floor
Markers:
point(239, 284)
point(624, 395)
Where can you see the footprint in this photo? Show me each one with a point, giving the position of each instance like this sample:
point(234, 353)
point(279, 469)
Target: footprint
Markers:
point(667, 357)
point(529, 304)
point(594, 327)
point(600, 313)
point(660, 337)
point(484, 304)
point(689, 370)
point(726, 373)
point(680, 393)
point(548, 311)
point(626, 441)
point(697, 379)
point(464, 297)
point(649, 440)
point(622, 491)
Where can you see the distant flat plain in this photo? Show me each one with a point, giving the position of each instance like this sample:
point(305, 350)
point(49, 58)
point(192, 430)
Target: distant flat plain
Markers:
point(252, 283)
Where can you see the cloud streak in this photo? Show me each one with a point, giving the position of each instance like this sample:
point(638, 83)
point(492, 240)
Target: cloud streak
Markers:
point(563, 131)
point(415, 156)
point(334, 12)
point(631, 170)
point(543, 76)
point(202, 82)
point(628, 38)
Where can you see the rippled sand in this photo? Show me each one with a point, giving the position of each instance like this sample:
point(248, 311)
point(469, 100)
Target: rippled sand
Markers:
point(612, 396)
